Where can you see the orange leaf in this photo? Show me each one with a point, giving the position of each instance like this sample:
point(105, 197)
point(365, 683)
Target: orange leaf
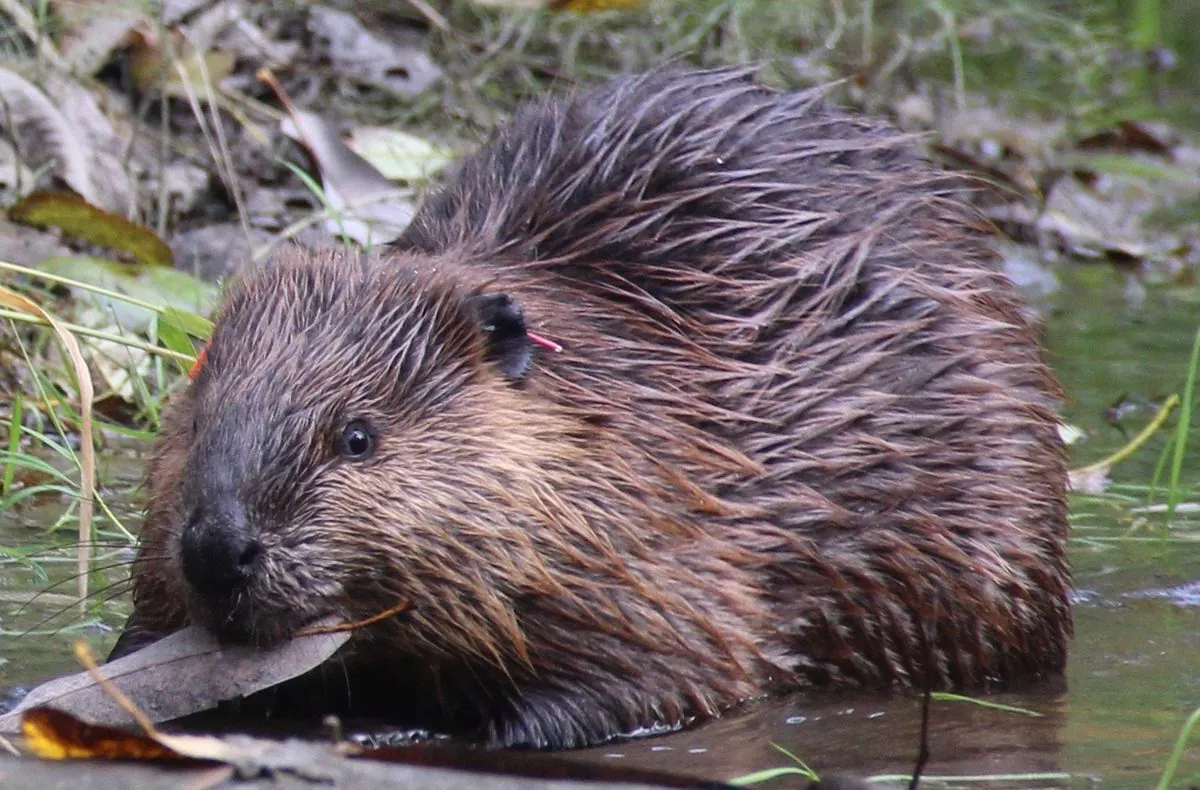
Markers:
point(54, 735)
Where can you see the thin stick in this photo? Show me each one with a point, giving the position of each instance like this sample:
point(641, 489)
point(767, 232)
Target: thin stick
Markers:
point(83, 654)
point(333, 629)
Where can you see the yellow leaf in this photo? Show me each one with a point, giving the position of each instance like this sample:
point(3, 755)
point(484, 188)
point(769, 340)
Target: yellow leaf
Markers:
point(54, 735)
point(154, 69)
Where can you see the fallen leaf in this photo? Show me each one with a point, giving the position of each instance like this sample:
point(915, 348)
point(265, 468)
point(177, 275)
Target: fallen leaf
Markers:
point(398, 155)
point(365, 205)
point(179, 73)
point(591, 6)
point(161, 286)
point(91, 30)
point(81, 220)
point(44, 135)
point(53, 735)
point(116, 148)
point(183, 673)
point(360, 54)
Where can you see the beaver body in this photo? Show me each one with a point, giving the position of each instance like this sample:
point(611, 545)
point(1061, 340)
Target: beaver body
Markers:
point(799, 433)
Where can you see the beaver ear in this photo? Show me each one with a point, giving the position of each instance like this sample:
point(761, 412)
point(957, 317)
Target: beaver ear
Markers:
point(506, 341)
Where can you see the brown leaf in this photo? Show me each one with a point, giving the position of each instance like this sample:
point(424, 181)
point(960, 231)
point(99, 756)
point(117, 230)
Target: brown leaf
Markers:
point(183, 673)
point(367, 207)
point(591, 6)
point(1129, 136)
point(54, 735)
point(189, 72)
point(80, 219)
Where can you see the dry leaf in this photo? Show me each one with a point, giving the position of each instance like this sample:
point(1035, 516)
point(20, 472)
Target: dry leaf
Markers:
point(108, 136)
point(183, 673)
point(82, 220)
point(54, 735)
point(396, 154)
point(360, 54)
point(45, 137)
point(367, 207)
point(178, 74)
point(92, 29)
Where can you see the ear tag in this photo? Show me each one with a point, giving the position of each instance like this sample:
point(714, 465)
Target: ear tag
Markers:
point(542, 342)
point(199, 363)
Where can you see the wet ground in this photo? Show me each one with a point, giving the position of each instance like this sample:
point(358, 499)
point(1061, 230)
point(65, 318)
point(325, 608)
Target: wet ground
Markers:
point(1134, 675)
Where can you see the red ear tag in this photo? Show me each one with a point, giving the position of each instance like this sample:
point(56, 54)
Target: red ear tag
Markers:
point(199, 363)
point(538, 340)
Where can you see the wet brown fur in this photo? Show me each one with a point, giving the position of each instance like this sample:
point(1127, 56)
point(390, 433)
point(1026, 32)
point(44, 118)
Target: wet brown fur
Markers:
point(800, 432)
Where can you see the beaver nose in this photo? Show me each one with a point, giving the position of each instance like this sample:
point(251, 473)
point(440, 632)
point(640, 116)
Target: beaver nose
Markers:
point(218, 550)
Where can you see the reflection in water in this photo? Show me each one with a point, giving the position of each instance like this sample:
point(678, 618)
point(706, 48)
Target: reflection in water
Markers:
point(865, 735)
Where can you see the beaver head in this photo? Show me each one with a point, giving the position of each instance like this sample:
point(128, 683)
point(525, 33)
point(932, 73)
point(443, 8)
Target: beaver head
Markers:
point(362, 434)
point(328, 439)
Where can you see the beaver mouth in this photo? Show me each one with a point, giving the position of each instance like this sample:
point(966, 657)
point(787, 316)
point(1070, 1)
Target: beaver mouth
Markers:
point(237, 617)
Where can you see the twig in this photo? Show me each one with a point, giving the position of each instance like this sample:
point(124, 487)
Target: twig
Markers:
point(431, 16)
point(83, 654)
point(333, 629)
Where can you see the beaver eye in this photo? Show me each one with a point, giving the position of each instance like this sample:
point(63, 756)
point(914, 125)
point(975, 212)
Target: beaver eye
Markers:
point(357, 442)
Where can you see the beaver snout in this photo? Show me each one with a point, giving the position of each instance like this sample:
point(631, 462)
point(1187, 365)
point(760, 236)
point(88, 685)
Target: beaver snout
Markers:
point(220, 555)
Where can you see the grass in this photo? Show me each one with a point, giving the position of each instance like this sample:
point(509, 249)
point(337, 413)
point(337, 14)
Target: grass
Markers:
point(1179, 440)
point(53, 414)
point(1070, 61)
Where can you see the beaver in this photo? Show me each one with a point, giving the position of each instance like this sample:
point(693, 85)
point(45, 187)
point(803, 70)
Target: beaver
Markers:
point(799, 432)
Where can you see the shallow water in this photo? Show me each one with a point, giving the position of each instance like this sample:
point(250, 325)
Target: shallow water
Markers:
point(1134, 674)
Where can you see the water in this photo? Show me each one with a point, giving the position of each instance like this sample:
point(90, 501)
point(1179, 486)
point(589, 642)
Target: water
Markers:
point(1134, 674)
